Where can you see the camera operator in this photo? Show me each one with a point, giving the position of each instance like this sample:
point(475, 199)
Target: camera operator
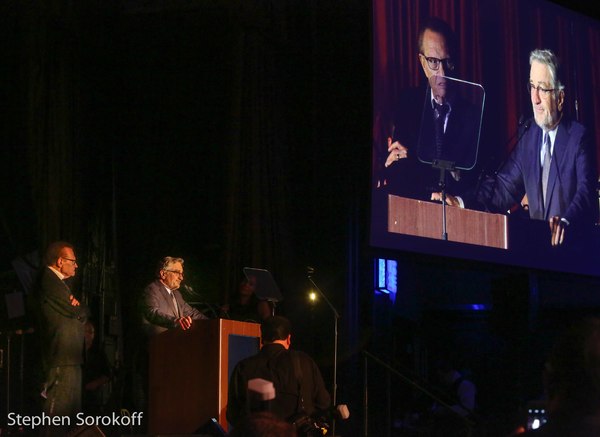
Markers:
point(299, 387)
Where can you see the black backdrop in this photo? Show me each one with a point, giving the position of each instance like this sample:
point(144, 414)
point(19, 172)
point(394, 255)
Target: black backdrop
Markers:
point(229, 133)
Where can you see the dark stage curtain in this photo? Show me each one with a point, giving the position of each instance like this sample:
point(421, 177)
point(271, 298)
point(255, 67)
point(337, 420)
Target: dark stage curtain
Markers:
point(298, 155)
point(41, 135)
point(258, 150)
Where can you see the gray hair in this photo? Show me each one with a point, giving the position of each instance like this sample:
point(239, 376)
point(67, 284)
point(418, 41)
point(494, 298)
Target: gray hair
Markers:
point(549, 59)
point(164, 264)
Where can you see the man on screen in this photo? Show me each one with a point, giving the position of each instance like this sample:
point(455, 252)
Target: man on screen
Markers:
point(431, 118)
point(553, 163)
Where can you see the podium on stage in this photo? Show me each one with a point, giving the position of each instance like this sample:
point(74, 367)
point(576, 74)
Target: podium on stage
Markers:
point(424, 219)
point(189, 373)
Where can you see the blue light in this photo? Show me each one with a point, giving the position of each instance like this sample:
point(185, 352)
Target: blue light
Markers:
point(380, 273)
point(392, 278)
point(386, 278)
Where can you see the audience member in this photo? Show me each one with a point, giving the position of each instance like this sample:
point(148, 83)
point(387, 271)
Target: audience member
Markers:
point(245, 305)
point(572, 379)
point(456, 417)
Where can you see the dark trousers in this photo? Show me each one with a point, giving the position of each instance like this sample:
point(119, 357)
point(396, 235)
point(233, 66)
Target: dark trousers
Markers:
point(62, 397)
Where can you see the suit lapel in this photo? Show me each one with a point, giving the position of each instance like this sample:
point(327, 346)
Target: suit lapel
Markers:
point(63, 285)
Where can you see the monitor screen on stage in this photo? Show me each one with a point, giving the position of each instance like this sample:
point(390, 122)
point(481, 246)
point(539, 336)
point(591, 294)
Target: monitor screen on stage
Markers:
point(493, 108)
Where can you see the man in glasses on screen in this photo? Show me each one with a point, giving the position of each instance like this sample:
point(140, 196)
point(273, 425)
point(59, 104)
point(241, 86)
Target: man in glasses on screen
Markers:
point(553, 163)
point(427, 116)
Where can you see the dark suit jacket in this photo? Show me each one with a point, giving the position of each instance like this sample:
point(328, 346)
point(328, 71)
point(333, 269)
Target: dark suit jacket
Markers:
point(158, 311)
point(412, 118)
point(460, 137)
point(60, 325)
point(274, 363)
point(571, 183)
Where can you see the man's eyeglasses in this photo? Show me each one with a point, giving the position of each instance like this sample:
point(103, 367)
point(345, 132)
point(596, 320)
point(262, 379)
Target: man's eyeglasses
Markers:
point(545, 92)
point(177, 272)
point(434, 63)
point(74, 261)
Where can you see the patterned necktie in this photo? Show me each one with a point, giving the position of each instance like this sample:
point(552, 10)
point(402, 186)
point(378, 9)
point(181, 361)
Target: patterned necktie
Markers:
point(439, 118)
point(546, 165)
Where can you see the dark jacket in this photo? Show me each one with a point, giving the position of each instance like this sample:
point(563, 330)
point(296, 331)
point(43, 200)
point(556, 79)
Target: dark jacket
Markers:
point(60, 324)
point(571, 183)
point(274, 363)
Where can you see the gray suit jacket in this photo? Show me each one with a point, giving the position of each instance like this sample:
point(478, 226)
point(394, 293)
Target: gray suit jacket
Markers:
point(158, 311)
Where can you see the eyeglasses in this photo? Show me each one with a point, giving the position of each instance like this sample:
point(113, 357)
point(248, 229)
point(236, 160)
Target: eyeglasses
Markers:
point(74, 261)
point(177, 272)
point(434, 63)
point(545, 92)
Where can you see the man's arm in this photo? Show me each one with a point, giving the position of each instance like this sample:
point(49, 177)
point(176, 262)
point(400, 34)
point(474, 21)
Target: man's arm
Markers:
point(320, 395)
point(495, 194)
point(580, 166)
point(582, 204)
point(58, 302)
point(187, 310)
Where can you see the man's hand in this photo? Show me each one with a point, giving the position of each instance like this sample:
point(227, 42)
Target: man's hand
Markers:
point(557, 229)
point(74, 302)
point(397, 152)
point(185, 322)
point(450, 199)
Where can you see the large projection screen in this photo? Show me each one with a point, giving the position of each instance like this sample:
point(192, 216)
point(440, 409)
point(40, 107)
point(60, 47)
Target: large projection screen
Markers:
point(501, 217)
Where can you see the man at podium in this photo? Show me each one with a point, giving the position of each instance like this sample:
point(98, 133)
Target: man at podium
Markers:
point(298, 383)
point(163, 307)
point(553, 162)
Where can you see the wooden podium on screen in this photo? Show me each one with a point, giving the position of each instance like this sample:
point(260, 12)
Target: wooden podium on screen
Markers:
point(424, 219)
point(189, 373)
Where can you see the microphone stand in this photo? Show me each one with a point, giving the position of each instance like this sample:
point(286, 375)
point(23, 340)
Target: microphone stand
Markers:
point(336, 316)
point(443, 166)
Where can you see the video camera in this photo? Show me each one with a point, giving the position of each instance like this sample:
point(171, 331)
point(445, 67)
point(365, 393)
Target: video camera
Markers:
point(318, 423)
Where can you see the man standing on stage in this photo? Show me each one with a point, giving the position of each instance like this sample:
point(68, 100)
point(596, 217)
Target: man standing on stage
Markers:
point(61, 327)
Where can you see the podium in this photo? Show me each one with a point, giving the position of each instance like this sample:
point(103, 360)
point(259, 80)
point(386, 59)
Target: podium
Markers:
point(424, 219)
point(189, 373)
